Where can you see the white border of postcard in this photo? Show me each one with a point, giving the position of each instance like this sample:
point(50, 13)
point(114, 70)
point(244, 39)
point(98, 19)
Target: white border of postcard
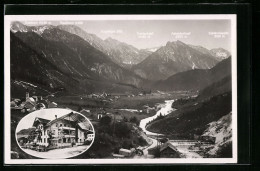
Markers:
point(7, 145)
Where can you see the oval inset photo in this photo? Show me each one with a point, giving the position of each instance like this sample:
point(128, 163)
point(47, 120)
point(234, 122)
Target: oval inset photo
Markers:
point(55, 133)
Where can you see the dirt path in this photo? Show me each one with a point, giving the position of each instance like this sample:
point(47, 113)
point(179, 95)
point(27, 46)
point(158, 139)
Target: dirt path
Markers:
point(58, 153)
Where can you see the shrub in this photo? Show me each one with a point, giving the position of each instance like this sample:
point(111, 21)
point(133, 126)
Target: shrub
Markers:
point(127, 144)
point(225, 151)
point(87, 142)
point(134, 120)
point(106, 120)
point(122, 129)
point(142, 141)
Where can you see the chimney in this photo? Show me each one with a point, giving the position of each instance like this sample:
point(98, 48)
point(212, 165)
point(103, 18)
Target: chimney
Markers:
point(55, 116)
point(27, 95)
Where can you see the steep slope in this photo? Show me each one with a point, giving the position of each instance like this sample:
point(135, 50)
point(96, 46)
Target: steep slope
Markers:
point(155, 68)
point(32, 68)
point(74, 56)
point(174, 57)
point(125, 54)
point(193, 119)
point(222, 130)
point(196, 79)
point(121, 53)
point(220, 87)
point(193, 114)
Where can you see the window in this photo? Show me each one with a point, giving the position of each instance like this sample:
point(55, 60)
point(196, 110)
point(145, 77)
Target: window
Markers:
point(65, 125)
point(56, 124)
point(60, 124)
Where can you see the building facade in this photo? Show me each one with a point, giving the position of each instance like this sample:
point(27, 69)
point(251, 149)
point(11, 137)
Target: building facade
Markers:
point(60, 132)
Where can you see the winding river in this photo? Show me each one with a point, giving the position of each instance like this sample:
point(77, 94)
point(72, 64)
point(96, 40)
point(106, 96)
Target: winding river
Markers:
point(165, 109)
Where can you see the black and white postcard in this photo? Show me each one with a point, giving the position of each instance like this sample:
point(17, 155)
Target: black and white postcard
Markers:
point(120, 89)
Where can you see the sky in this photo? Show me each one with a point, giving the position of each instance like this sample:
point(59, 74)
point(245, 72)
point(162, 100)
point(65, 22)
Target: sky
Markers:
point(149, 34)
point(155, 33)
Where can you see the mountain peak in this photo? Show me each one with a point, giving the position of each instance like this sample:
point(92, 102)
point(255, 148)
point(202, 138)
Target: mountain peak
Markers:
point(180, 42)
point(18, 26)
point(67, 26)
point(110, 39)
point(175, 43)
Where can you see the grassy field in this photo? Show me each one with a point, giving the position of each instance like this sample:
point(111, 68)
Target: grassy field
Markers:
point(123, 102)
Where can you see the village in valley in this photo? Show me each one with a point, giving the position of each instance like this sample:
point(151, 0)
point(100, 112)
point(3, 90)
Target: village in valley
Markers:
point(81, 94)
point(146, 145)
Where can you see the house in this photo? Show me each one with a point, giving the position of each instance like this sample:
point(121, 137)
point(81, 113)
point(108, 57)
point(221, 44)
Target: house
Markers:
point(52, 104)
point(22, 140)
point(13, 104)
point(99, 116)
point(64, 131)
point(209, 139)
point(167, 150)
point(90, 137)
point(29, 104)
point(126, 152)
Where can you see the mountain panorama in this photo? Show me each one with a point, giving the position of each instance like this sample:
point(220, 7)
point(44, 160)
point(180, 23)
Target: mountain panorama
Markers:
point(67, 52)
point(169, 101)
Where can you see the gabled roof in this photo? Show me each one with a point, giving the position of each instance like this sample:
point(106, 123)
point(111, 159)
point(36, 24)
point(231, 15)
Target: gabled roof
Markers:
point(40, 120)
point(168, 144)
point(84, 126)
point(73, 117)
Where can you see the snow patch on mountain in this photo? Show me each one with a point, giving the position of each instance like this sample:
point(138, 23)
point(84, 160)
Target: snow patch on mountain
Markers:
point(152, 49)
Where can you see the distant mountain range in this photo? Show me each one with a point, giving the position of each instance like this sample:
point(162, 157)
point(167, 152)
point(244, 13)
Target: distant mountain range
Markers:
point(218, 53)
point(173, 58)
point(53, 51)
point(67, 57)
point(25, 131)
point(196, 79)
point(119, 52)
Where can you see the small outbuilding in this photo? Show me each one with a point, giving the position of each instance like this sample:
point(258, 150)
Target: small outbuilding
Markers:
point(125, 152)
point(167, 150)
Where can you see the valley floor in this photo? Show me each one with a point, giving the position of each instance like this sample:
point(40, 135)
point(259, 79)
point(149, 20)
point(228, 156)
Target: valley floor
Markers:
point(160, 105)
